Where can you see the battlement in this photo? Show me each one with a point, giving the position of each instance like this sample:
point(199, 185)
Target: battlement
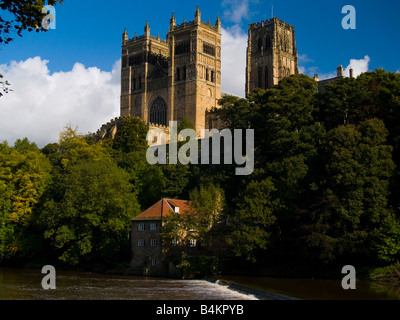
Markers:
point(268, 22)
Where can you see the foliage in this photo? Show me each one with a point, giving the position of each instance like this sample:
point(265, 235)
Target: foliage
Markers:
point(24, 176)
point(88, 209)
point(255, 214)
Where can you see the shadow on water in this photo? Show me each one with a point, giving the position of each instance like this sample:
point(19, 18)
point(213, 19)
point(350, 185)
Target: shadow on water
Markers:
point(318, 289)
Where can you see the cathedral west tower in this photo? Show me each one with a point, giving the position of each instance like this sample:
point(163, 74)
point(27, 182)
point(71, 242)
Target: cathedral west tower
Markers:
point(166, 80)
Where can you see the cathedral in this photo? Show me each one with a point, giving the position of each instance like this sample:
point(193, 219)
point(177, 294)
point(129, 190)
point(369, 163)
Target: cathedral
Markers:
point(180, 77)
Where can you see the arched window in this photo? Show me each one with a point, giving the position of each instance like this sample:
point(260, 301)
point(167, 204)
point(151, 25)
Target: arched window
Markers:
point(268, 42)
point(259, 44)
point(259, 77)
point(266, 78)
point(158, 112)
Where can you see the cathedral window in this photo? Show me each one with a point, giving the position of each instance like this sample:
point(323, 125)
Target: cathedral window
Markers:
point(182, 47)
point(209, 49)
point(158, 112)
point(266, 78)
point(212, 76)
point(259, 77)
point(178, 74)
point(259, 44)
point(184, 73)
point(268, 42)
point(207, 75)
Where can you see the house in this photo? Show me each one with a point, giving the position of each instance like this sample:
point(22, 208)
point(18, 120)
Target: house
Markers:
point(148, 253)
point(151, 255)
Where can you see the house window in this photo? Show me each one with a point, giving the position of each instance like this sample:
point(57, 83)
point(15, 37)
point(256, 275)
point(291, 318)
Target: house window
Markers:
point(153, 226)
point(141, 226)
point(140, 242)
point(153, 242)
point(192, 243)
point(153, 262)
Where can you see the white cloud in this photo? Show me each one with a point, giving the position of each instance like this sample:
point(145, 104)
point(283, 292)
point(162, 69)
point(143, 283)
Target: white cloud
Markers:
point(236, 10)
point(359, 66)
point(233, 69)
point(43, 103)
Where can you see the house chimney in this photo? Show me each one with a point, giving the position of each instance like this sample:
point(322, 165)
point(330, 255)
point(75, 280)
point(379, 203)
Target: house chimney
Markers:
point(340, 71)
point(351, 73)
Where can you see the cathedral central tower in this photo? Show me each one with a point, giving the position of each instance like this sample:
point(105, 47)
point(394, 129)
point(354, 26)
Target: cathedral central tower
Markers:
point(271, 54)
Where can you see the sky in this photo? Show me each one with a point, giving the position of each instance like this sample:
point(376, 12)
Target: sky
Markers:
point(70, 75)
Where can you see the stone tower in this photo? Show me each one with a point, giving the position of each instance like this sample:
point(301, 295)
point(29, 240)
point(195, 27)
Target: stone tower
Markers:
point(271, 54)
point(165, 80)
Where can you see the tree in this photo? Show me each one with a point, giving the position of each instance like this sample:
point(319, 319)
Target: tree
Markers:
point(354, 205)
point(250, 226)
point(20, 15)
point(91, 220)
point(87, 210)
point(24, 176)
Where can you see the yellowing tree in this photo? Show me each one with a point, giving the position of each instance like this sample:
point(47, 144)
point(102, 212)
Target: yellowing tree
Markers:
point(24, 175)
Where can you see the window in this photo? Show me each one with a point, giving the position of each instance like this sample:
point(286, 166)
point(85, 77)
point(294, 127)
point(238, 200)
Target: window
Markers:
point(192, 243)
point(174, 242)
point(153, 242)
point(182, 47)
point(266, 78)
point(184, 73)
point(140, 242)
point(153, 262)
point(134, 84)
point(259, 44)
point(207, 75)
point(153, 226)
point(158, 112)
point(178, 74)
point(212, 76)
point(268, 42)
point(259, 77)
point(209, 49)
point(142, 226)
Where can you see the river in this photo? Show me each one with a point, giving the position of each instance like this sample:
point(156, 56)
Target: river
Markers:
point(24, 284)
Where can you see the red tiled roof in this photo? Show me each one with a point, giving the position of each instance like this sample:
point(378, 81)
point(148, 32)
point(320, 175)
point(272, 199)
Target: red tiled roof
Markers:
point(163, 208)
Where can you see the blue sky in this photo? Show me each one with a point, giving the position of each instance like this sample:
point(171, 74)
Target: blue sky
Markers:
point(90, 31)
point(71, 74)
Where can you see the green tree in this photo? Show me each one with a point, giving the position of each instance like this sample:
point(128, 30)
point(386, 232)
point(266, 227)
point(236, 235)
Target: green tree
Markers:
point(250, 227)
point(355, 193)
point(87, 210)
point(91, 220)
